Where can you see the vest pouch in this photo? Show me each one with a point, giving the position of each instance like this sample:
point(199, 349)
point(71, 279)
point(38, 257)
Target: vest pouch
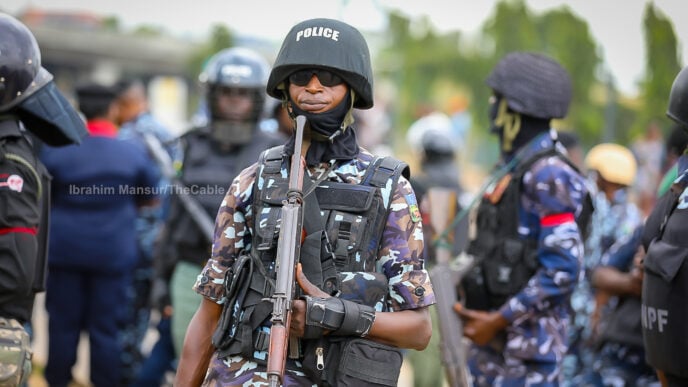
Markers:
point(663, 309)
point(351, 361)
point(268, 211)
point(368, 363)
point(355, 216)
point(474, 290)
point(15, 353)
point(508, 271)
point(323, 357)
point(622, 325)
point(247, 288)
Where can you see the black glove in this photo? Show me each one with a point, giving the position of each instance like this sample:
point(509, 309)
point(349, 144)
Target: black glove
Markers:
point(344, 318)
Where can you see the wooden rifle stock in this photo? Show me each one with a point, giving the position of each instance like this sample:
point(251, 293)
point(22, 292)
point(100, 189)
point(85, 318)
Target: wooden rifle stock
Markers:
point(444, 278)
point(288, 252)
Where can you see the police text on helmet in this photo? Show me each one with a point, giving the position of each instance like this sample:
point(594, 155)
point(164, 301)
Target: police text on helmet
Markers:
point(232, 70)
point(318, 31)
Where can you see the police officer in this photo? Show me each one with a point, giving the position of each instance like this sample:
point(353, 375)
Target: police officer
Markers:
point(609, 287)
point(528, 244)
point(665, 282)
point(29, 100)
point(234, 82)
point(363, 248)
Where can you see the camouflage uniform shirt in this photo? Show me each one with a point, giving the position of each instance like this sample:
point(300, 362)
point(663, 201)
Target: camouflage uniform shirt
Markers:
point(552, 193)
point(399, 257)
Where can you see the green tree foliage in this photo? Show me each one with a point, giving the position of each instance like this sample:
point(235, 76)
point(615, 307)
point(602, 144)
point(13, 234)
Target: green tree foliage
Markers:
point(661, 66)
point(148, 30)
point(427, 67)
point(220, 38)
point(111, 23)
point(511, 28)
point(567, 38)
point(419, 61)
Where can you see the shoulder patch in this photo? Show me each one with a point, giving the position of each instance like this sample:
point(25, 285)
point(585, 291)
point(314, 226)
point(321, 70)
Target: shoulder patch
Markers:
point(13, 182)
point(414, 211)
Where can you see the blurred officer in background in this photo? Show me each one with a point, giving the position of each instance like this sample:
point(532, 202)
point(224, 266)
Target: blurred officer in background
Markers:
point(529, 238)
point(137, 123)
point(234, 80)
point(98, 188)
point(29, 102)
point(609, 250)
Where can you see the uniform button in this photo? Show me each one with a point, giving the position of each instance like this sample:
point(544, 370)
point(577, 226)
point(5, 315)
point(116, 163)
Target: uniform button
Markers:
point(419, 291)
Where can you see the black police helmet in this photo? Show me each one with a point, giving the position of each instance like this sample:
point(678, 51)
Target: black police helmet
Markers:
point(678, 99)
point(328, 44)
point(533, 84)
point(236, 67)
point(21, 73)
point(27, 89)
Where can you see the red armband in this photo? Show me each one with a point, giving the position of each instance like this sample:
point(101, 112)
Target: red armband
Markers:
point(557, 219)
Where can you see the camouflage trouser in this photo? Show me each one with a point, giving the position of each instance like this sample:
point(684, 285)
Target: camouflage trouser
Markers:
point(238, 371)
point(620, 366)
point(490, 367)
point(15, 353)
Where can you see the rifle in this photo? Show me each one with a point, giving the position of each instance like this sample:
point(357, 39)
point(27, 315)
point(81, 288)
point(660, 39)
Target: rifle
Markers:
point(445, 278)
point(288, 252)
point(195, 211)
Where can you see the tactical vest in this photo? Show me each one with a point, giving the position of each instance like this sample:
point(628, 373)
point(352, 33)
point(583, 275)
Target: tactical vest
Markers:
point(16, 147)
point(343, 224)
point(207, 172)
point(506, 260)
point(665, 286)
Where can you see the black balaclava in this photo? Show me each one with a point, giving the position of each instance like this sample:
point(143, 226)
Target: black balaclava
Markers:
point(328, 139)
point(514, 129)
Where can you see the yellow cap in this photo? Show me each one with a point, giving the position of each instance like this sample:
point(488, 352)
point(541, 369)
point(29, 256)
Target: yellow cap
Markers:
point(614, 162)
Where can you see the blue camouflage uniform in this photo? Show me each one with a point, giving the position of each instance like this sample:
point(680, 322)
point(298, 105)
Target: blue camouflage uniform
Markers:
point(614, 237)
point(617, 240)
point(616, 363)
point(148, 225)
point(399, 258)
point(531, 349)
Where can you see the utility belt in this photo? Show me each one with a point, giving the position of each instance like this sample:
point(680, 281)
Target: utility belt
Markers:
point(15, 353)
point(331, 360)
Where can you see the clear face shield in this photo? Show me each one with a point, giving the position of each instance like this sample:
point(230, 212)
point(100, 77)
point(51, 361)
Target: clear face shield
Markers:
point(235, 113)
point(42, 78)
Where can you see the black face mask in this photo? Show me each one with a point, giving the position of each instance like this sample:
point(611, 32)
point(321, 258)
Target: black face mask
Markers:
point(342, 146)
point(527, 127)
point(327, 123)
point(492, 115)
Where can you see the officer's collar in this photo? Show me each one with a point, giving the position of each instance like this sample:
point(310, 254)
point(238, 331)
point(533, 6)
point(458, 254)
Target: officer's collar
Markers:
point(545, 140)
point(9, 126)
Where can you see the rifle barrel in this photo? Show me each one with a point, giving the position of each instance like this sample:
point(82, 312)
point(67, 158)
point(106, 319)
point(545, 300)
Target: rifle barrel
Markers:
point(288, 252)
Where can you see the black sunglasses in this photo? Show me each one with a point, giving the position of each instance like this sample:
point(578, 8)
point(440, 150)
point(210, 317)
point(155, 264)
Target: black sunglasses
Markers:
point(326, 78)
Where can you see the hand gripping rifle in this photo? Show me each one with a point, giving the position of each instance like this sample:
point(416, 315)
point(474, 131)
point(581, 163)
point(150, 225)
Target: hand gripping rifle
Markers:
point(288, 252)
point(204, 222)
point(445, 279)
